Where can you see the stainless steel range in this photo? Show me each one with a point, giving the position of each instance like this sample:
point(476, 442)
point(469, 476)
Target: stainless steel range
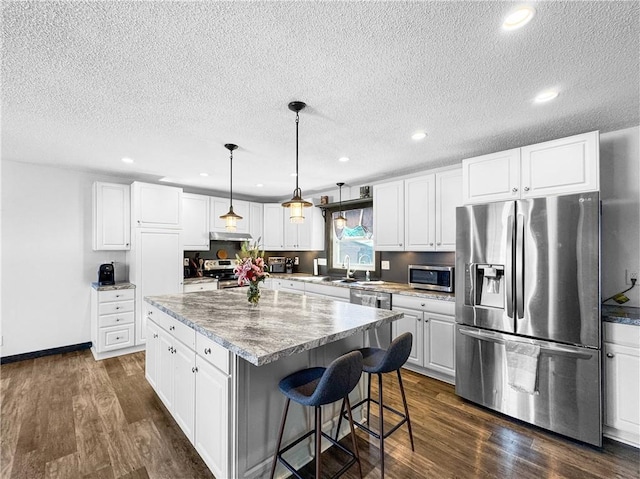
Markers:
point(222, 270)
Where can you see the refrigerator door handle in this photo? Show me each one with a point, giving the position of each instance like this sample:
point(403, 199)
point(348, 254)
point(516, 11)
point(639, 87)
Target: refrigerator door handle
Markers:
point(520, 267)
point(578, 353)
point(508, 270)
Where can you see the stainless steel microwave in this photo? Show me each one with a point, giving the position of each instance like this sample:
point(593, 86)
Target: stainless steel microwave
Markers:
point(434, 278)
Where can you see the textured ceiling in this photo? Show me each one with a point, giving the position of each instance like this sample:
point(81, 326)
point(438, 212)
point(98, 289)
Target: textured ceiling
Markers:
point(168, 83)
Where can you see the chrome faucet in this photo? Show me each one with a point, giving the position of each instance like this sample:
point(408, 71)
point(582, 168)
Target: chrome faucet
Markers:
point(348, 261)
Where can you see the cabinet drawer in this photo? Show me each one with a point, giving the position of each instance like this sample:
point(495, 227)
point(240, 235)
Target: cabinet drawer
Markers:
point(424, 304)
point(327, 290)
point(116, 337)
point(115, 307)
point(116, 295)
point(174, 327)
point(212, 352)
point(622, 334)
point(192, 288)
point(115, 319)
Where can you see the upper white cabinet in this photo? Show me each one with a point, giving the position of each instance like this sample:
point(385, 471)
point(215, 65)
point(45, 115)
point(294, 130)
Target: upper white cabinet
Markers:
point(220, 206)
point(388, 216)
point(156, 206)
point(256, 221)
point(621, 373)
point(282, 235)
point(425, 219)
point(111, 216)
point(195, 222)
point(567, 165)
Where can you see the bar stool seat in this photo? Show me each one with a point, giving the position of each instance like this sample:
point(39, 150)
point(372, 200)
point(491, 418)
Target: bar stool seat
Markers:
point(379, 361)
point(316, 387)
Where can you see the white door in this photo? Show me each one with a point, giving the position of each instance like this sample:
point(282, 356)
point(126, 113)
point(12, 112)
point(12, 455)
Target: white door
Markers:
point(494, 177)
point(212, 417)
point(255, 222)
point(165, 369)
point(291, 233)
point(111, 216)
point(411, 323)
point(567, 165)
point(158, 269)
point(448, 198)
point(195, 222)
point(184, 387)
point(388, 216)
point(273, 227)
point(152, 354)
point(242, 208)
point(218, 207)
point(439, 342)
point(622, 370)
point(420, 213)
point(156, 206)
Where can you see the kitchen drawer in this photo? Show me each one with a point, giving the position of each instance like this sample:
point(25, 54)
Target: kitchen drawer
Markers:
point(212, 352)
point(116, 295)
point(116, 337)
point(622, 334)
point(115, 307)
point(422, 304)
point(192, 288)
point(115, 319)
point(327, 290)
point(174, 327)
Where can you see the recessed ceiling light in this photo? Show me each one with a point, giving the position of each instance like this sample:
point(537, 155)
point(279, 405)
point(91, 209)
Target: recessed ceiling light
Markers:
point(343, 159)
point(546, 95)
point(418, 135)
point(259, 185)
point(518, 18)
point(204, 174)
point(127, 160)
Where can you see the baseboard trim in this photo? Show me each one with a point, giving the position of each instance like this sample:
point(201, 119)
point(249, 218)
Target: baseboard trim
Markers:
point(45, 352)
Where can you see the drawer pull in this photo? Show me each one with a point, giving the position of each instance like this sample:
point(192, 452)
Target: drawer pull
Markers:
point(169, 349)
point(171, 328)
point(610, 355)
point(118, 295)
point(155, 335)
point(149, 313)
point(117, 337)
point(207, 350)
point(118, 319)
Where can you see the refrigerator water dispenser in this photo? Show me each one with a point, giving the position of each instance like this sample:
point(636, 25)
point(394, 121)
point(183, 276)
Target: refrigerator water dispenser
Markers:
point(490, 285)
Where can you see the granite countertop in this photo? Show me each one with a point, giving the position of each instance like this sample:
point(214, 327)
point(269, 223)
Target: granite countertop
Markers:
point(383, 287)
point(282, 323)
point(621, 314)
point(113, 287)
point(199, 280)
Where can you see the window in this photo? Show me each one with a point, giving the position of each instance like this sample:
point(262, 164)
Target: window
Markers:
point(354, 241)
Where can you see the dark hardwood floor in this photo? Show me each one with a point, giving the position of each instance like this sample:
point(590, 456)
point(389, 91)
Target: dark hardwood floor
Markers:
point(68, 416)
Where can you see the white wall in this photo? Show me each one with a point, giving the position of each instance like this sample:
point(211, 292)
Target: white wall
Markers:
point(47, 260)
point(620, 194)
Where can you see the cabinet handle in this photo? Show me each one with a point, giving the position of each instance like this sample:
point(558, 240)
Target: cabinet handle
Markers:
point(526, 188)
point(207, 350)
point(117, 307)
point(155, 335)
point(400, 244)
point(171, 328)
point(430, 244)
point(138, 221)
point(439, 244)
point(117, 295)
point(426, 320)
point(117, 337)
point(422, 304)
point(193, 370)
point(126, 244)
point(609, 355)
point(117, 319)
point(169, 348)
point(514, 190)
point(149, 313)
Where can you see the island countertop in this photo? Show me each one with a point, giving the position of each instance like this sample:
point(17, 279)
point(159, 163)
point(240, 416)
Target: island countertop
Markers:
point(281, 324)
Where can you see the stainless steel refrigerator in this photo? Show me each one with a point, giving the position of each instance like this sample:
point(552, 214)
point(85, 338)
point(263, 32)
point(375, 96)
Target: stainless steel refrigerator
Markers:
point(528, 311)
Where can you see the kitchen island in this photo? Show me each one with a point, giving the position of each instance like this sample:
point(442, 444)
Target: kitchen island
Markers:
point(215, 361)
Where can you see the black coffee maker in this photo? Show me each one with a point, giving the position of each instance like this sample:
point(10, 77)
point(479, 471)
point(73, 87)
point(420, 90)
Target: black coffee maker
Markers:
point(106, 274)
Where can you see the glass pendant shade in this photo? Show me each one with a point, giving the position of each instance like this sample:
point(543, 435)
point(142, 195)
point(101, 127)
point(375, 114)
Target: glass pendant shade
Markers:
point(296, 204)
point(340, 221)
point(230, 219)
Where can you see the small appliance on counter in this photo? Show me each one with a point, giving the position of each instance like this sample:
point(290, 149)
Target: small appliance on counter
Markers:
point(276, 264)
point(106, 275)
point(288, 265)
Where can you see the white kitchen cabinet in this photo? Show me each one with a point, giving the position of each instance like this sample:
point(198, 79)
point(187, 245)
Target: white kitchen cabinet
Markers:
point(152, 355)
point(420, 213)
point(256, 221)
point(448, 198)
point(337, 293)
point(155, 268)
point(112, 321)
point(184, 388)
point(273, 239)
point(111, 216)
point(432, 324)
point(622, 391)
point(205, 286)
point(305, 236)
point(195, 222)
point(388, 216)
point(563, 166)
point(156, 206)
point(220, 207)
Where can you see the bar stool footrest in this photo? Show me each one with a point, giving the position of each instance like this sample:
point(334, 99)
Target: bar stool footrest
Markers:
point(369, 430)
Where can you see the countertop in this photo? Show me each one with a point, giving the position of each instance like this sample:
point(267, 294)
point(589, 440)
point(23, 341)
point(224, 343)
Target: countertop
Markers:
point(113, 287)
point(621, 314)
point(280, 325)
point(385, 287)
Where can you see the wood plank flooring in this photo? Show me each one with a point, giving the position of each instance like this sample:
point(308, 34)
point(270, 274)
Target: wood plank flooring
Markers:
point(68, 416)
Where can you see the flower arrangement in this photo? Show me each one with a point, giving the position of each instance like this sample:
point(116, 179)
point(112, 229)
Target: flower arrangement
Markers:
point(251, 269)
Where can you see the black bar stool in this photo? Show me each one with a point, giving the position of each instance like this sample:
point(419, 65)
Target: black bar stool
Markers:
point(379, 361)
point(317, 387)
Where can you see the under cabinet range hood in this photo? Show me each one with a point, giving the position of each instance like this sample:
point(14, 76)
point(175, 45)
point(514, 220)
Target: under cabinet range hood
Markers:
point(225, 236)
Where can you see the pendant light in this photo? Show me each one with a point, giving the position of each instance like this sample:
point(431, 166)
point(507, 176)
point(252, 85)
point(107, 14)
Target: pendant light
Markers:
point(296, 203)
point(341, 221)
point(230, 218)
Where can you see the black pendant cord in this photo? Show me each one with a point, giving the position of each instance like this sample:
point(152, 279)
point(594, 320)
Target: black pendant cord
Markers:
point(231, 181)
point(297, 190)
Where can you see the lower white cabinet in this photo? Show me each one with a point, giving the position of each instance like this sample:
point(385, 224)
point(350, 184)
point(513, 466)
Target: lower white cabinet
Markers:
point(194, 287)
point(621, 373)
point(190, 374)
point(432, 324)
point(112, 320)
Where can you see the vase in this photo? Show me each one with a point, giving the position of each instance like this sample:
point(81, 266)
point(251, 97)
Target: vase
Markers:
point(253, 293)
